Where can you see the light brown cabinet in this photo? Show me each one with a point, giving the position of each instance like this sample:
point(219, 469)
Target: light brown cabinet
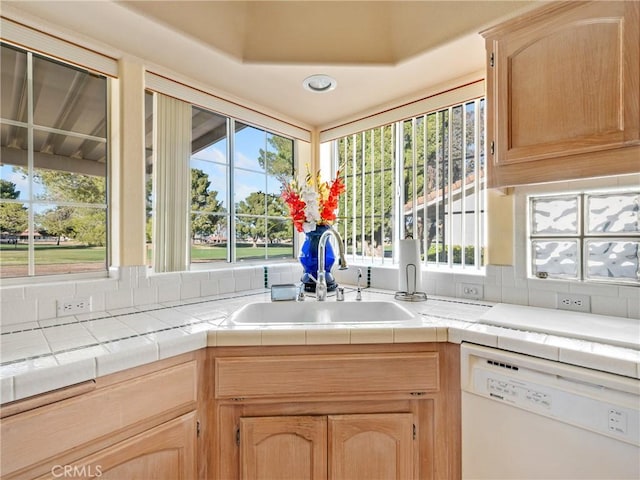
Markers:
point(287, 447)
point(370, 446)
point(164, 452)
point(140, 423)
point(338, 447)
point(326, 411)
point(336, 412)
point(563, 93)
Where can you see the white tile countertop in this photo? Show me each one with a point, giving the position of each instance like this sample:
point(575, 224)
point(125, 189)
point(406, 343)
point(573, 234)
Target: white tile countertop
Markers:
point(42, 356)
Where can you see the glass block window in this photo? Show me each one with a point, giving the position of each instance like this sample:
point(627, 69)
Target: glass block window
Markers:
point(590, 236)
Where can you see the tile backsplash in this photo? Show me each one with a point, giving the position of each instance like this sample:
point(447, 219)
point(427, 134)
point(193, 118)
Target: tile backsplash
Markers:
point(129, 287)
point(134, 286)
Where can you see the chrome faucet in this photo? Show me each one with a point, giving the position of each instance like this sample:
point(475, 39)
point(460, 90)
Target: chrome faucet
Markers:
point(321, 281)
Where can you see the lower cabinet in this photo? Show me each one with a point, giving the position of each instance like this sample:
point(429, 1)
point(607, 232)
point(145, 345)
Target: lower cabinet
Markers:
point(371, 446)
point(136, 424)
point(374, 412)
point(340, 447)
point(166, 452)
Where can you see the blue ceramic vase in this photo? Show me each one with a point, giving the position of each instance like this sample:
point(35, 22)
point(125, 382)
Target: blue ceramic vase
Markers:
point(309, 260)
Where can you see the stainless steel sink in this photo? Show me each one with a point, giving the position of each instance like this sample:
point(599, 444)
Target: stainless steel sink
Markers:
point(306, 313)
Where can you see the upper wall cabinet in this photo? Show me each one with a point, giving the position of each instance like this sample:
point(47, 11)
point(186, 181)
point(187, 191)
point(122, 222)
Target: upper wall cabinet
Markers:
point(563, 93)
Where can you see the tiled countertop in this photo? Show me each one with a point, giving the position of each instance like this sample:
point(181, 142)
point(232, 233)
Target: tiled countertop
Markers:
point(43, 356)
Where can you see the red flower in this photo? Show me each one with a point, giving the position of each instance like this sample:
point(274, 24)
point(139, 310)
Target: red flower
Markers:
point(328, 195)
point(330, 204)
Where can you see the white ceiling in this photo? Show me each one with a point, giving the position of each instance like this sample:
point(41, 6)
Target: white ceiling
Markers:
point(382, 53)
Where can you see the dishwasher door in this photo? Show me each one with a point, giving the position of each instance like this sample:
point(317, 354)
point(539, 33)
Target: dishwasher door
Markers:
point(529, 418)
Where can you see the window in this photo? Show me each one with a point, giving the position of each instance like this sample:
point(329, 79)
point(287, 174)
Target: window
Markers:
point(591, 236)
point(263, 228)
point(235, 210)
point(422, 177)
point(53, 205)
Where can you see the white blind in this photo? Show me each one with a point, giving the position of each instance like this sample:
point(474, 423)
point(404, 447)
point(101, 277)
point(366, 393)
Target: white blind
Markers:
point(172, 183)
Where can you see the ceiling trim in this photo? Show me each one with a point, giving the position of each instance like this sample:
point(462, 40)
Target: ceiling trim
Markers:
point(168, 86)
point(51, 46)
point(441, 99)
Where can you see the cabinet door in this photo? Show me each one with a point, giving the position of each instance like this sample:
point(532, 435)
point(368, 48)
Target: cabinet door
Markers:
point(166, 452)
point(371, 446)
point(562, 90)
point(283, 448)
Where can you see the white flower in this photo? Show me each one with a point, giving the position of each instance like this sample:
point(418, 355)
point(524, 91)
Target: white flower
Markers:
point(311, 209)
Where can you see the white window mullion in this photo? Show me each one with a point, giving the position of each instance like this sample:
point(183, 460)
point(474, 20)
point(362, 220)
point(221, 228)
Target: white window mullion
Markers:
point(30, 167)
point(449, 224)
point(398, 197)
point(363, 188)
point(231, 225)
point(372, 164)
point(425, 193)
point(477, 191)
point(344, 212)
point(463, 189)
point(383, 220)
point(438, 183)
point(414, 181)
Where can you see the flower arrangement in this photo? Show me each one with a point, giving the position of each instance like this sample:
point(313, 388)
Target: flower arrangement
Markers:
point(313, 203)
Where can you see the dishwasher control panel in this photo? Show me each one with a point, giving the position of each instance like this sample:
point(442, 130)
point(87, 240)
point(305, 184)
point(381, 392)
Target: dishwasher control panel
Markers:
point(508, 391)
point(557, 392)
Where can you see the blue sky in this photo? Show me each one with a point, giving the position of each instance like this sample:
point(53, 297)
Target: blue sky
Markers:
point(212, 160)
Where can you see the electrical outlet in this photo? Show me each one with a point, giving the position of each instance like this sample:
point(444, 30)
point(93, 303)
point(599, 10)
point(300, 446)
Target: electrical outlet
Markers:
point(469, 290)
point(574, 302)
point(73, 306)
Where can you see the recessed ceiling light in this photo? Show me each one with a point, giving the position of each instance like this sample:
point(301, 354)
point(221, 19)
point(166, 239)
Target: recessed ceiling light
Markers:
point(319, 83)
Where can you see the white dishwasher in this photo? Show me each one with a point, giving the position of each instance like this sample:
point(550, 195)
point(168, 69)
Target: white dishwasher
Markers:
point(528, 418)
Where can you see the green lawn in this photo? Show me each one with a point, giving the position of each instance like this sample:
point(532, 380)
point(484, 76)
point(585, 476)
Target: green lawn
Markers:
point(69, 254)
point(51, 254)
point(206, 253)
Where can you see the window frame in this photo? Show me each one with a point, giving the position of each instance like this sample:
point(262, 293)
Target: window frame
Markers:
point(31, 202)
point(230, 216)
point(397, 215)
point(581, 236)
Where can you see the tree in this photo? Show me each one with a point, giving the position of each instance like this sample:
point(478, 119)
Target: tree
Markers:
point(8, 190)
point(251, 217)
point(149, 209)
point(90, 226)
point(370, 157)
point(57, 222)
point(72, 187)
point(14, 218)
point(205, 203)
point(278, 161)
point(84, 224)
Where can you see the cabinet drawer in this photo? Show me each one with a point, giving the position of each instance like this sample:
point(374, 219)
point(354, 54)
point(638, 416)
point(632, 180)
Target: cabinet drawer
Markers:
point(43, 433)
point(249, 377)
